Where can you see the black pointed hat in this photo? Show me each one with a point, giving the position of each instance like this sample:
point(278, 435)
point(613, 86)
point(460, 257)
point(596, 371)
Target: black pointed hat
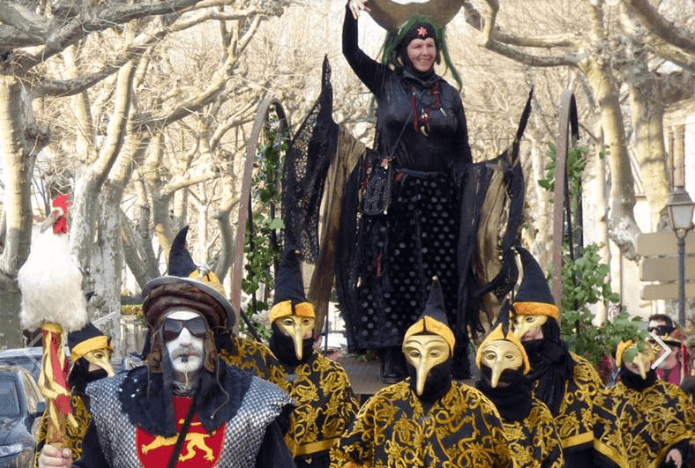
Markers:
point(183, 285)
point(433, 318)
point(534, 296)
point(87, 339)
point(180, 261)
point(289, 287)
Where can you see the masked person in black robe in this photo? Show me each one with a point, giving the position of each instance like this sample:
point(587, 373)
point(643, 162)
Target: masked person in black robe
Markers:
point(186, 407)
point(428, 420)
point(568, 384)
point(528, 423)
point(325, 402)
point(658, 418)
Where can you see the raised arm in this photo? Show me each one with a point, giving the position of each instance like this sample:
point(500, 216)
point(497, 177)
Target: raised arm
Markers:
point(369, 71)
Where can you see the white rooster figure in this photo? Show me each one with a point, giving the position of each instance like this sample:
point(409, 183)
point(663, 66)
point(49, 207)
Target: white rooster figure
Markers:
point(53, 299)
point(50, 279)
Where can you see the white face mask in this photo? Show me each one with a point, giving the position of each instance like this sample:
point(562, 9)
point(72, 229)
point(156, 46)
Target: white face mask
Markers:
point(186, 350)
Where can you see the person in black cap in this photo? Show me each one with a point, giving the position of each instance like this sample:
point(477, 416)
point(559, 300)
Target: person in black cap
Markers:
point(321, 387)
point(568, 384)
point(186, 406)
point(658, 417)
point(527, 421)
point(428, 419)
point(90, 354)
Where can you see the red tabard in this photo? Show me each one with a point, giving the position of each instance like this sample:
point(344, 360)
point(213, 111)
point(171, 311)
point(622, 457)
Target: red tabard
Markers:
point(200, 449)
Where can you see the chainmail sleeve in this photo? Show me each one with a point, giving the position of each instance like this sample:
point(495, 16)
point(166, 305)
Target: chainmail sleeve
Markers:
point(306, 165)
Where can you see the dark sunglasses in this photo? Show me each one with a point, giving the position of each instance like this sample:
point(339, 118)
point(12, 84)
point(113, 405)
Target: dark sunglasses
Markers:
point(172, 328)
point(661, 330)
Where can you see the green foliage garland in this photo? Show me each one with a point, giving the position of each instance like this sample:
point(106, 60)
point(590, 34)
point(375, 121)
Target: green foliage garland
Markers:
point(260, 252)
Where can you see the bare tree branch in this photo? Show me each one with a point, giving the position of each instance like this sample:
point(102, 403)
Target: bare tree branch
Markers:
point(660, 26)
point(88, 20)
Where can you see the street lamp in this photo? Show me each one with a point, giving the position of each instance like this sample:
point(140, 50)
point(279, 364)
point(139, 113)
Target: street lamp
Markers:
point(680, 211)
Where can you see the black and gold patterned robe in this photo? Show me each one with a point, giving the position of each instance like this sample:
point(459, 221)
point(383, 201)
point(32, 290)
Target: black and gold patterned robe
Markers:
point(250, 355)
point(534, 442)
point(326, 406)
point(392, 429)
point(653, 421)
point(74, 435)
point(586, 420)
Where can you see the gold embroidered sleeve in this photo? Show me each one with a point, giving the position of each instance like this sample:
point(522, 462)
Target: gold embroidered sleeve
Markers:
point(74, 436)
point(327, 405)
point(574, 420)
point(256, 357)
point(608, 437)
point(356, 445)
point(534, 442)
point(653, 420)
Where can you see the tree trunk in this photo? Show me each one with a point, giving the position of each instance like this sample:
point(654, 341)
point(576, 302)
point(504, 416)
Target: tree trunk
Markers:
point(602, 229)
point(15, 113)
point(647, 121)
point(623, 228)
point(107, 264)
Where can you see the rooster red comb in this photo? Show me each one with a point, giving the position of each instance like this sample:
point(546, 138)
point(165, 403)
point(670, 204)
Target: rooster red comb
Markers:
point(61, 202)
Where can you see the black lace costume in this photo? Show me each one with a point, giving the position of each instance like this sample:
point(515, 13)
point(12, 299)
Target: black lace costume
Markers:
point(417, 239)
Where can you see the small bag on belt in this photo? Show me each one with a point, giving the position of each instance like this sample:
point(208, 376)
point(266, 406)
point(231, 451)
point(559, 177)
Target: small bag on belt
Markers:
point(377, 186)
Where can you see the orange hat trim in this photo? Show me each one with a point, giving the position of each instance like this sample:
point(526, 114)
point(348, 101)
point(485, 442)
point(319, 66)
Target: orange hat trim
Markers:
point(82, 348)
point(284, 308)
point(430, 325)
point(537, 308)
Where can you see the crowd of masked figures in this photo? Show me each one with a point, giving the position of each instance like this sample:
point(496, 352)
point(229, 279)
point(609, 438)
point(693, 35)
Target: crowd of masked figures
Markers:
point(534, 404)
point(401, 240)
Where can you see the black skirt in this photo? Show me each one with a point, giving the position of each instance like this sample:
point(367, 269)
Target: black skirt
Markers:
point(398, 253)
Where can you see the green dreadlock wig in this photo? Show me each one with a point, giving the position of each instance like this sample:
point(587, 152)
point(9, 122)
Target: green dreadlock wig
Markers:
point(396, 43)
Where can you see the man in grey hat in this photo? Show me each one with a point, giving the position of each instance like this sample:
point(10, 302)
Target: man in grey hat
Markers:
point(186, 407)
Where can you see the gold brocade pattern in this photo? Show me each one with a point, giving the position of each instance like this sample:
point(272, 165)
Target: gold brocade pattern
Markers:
point(534, 442)
point(327, 405)
point(75, 435)
point(653, 420)
point(393, 430)
point(586, 417)
point(573, 421)
point(250, 355)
